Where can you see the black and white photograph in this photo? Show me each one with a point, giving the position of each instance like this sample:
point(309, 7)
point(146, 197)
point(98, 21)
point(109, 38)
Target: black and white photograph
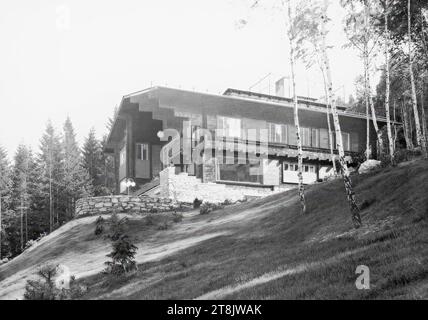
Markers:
point(214, 156)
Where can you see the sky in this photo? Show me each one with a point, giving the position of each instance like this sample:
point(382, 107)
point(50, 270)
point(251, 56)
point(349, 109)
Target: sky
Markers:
point(78, 58)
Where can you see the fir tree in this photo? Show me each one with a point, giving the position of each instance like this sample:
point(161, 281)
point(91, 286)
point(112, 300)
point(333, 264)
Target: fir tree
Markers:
point(75, 179)
point(93, 161)
point(50, 158)
point(5, 184)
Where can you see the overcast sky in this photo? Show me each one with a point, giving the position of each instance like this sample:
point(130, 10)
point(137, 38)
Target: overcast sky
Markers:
point(78, 58)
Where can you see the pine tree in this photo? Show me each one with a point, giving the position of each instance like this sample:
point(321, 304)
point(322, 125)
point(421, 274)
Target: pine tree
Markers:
point(49, 159)
point(92, 161)
point(75, 179)
point(108, 172)
point(5, 184)
point(20, 189)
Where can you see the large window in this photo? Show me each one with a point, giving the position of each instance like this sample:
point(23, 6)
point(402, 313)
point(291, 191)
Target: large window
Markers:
point(239, 173)
point(277, 133)
point(231, 126)
point(142, 151)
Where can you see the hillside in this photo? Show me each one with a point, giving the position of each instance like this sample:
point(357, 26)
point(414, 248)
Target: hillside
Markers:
point(260, 249)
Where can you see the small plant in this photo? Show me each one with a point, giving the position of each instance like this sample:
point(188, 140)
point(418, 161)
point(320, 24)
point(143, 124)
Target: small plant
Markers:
point(116, 227)
point(122, 256)
point(163, 225)
point(197, 203)
point(227, 202)
point(99, 226)
point(46, 289)
point(177, 217)
point(367, 203)
point(208, 207)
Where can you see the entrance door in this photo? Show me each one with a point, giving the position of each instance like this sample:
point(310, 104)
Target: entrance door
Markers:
point(142, 161)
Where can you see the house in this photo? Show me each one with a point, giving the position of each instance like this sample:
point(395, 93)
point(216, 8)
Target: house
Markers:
point(240, 139)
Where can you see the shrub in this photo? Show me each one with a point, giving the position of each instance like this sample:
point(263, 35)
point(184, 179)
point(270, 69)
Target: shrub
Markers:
point(227, 202)
point(367, 203)
point(163, 225)
point(46, 289)
point(208, 207)
point(99, 226)
point(122, 256)
point(197, 203)
point(177, 217)
point(117, 227)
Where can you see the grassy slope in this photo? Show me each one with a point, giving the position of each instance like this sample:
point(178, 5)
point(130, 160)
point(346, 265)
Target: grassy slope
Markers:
point(266, 248)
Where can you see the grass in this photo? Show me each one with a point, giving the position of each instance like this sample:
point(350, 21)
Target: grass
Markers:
point(266, 249)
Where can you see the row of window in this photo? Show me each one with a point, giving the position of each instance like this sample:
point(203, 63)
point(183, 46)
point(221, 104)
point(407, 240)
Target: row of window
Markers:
point(295, 167)
point(282, 133)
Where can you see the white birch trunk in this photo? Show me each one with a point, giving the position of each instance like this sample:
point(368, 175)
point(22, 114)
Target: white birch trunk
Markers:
point(366, 96)
point(419, 136)
point(387, 85)
point(355, 211)
point(407, 137)
point(330, 133)
point(367, 79)
point(296, 115)
point(424, 119)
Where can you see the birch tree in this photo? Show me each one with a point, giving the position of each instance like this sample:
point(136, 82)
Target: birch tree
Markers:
point(291, 34)
point(419, 136)
point(360, 34)
point(391, 142)
point(355, 211)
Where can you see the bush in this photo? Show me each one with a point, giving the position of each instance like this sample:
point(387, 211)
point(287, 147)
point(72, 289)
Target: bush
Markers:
point(122, 256)
point(46, 289)
point(367, 203)
point(197, 203)
point(208, 207)
point(117, 227)
point(177, 217)
point(99, 226)
point(163, 225)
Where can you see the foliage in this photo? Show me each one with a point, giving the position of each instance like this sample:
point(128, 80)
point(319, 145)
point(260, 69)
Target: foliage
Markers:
point(122, 256)
point(177, 217)
point(99, 226)
point(197, 203)
point(208, 207)
point(46, 289)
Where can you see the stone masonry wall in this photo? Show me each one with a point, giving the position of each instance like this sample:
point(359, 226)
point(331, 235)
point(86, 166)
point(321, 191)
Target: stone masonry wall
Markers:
point(184, 188)
point(143, 204)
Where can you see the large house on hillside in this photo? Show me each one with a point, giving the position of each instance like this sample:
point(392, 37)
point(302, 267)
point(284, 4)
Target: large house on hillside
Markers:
point(163, 128)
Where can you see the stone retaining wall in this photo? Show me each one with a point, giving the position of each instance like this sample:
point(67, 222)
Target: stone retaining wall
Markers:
point(142, 204)
point(184, 188)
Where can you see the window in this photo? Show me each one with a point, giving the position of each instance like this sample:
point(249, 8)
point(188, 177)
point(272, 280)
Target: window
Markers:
point(323, 139)
point(315, 138)
point(142, 151)
point(277, 133)
point(122, 156)
point(306, 137)
point(231, 126)
point(239, 173)
point(345, 141)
